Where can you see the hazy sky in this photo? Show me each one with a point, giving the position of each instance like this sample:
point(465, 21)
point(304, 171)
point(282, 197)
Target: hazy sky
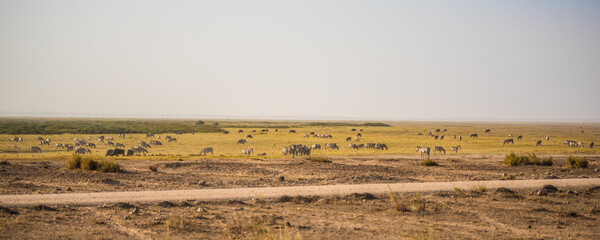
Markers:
point(537, 60)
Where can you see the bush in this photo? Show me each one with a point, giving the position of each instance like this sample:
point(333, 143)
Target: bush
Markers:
point(109, 166)
point(199, 122)
point(513, 159)
point(429, 162)
point(576, 162)
point(73, 162)
point(215, 123)
point(318, 159)
point(88, 164)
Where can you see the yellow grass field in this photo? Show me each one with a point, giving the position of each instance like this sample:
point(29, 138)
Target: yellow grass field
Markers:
point(401, 138)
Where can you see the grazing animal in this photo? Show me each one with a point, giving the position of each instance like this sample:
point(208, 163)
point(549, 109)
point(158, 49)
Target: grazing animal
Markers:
point(442, 137)
point(348, 139)
point(436, 137)
point(307, 135)
point(144, 144)
point(172, 139)
point(39, 139)
point(454, 136)
point(247, 151)
point(148, 135)
point(353, 130)
point(437, 130)
point(487, 131)
point(459, 138)
point(109, 143)
point(240, 131)
point(357, 138)
point(35, 149)
point(455, 149)
point(509, 140)
point(510, 136)
point(15, 146)
point(261, 154)
point(226, 132)
point(359, 135)
point(474, 135)
point(538, 143)
point(420, 134)
point(248, 136)
point(292, 131)
point(423, 150)
point(360, 146)
point(83, 151)
point(153, 142)
point(331, 146)
point(70, 148)
point(206, 150)
point(119, 145)
point(580, 144)
point(315, 146)
point(592, 145)
point(115, 152)
point(100, 139)
point(242, 141)
point(439, 149)
point(285, 151)
point(136, 149)
point(547, 138)
point(519, 137)
point(381, 146)
point(110, 138)
point(352, 146)
point(91, 145)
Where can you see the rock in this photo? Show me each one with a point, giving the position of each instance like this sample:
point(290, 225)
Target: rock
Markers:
point(542, 192)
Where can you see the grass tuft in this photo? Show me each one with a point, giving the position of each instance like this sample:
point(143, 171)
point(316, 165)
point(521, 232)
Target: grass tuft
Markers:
point(319, 159)
point(153, 168)
point(513, 159)
point(576, 162)
point(429, 162)
point(88, 163)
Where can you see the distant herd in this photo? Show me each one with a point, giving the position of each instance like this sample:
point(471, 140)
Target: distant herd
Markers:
point(79, 145)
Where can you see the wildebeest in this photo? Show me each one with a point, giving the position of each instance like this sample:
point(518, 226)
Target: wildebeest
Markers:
point(43, 142)
point(508, 140)
point(100, 139)
point(487, 131)
point(459, 138)
point(519, 137)
point(249, 136)
point(353, 130)
point(538, 143)
point(158, 143)
point(285, 151)
point(359, 135)
point(474, 135)
point(247, 151)
point(144, 144)
point(292, 131)
point(240, 131)
point(352, 146)
point(70, 148)
point(121, 135)
point(39, 139)
point(91, 145)
point(592, 145)
point(439, 149)
point(360, 145)
point(172, 139)
point(242, 141)
point(455, 149)
point(82, 151)
point(115, 152)
point(35, 149)
point(436, 137)
point(206, 150)
point(226, 132)
point(348, 139)
point(119, 145)
point(423, 150)
point(437, 130)
point(148, 135)
point(442, 137)
point(381, 146)
point(316, 146)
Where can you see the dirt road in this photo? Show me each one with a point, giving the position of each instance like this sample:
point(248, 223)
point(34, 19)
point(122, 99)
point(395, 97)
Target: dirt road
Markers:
point(97, 198)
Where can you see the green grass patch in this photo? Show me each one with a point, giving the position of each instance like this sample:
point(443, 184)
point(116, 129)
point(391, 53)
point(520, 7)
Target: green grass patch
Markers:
point(576, 162)
point(513, 159)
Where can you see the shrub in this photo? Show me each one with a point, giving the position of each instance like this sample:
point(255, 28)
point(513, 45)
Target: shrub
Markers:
point(199, 122)
point(429, 162)
point(88, 163)
point(480, 188)
point(576, 162)
point(419, 202)
point(513, 159)
point(153, 168)
point(318, 159)
point(215, 123)
point(109, 166)
point(73, 162)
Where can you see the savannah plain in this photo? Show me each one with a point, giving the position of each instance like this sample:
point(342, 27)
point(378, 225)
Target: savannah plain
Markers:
point(563, 213)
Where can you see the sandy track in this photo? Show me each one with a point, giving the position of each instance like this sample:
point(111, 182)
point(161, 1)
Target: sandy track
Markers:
point(97, 198)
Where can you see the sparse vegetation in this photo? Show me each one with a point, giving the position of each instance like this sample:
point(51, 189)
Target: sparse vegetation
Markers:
point(319, 159)
point(576, 162)
point(429, 162)
point(507, 177)
point(513, 159)
point(479, 188)
point(89, 163)
point(153, 168)
point(347, 124)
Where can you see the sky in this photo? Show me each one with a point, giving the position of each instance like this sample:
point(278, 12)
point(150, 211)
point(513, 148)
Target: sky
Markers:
point(348, 60)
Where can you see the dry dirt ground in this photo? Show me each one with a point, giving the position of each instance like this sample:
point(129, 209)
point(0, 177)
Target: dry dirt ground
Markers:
point(467, 213)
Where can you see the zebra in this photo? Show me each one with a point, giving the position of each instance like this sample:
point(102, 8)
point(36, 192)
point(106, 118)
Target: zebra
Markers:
point(352, 146)
point(423, 150)
point(110, 143)
point(519, 137)
point(100, 139)
point(70, 148)
point(538, 143)
point(110, 138)
point(172, 139)
point(547, 138)
point(149, 135)
point(144, 144)
point(580, 144)
point(331, 146)
point(83, 151)
point(206, 150)
point(247, 151)
point(439, 149)
point(91, 145)
point(35, 149)
point(306, 135)
point(381, 146)
point(454, 136)
point(119, 145)
point(316, 146)
point(474, 135)
point(357, 138)
point(242, 141)
point(154, 142)
point(509, 140)
point(455, 149)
